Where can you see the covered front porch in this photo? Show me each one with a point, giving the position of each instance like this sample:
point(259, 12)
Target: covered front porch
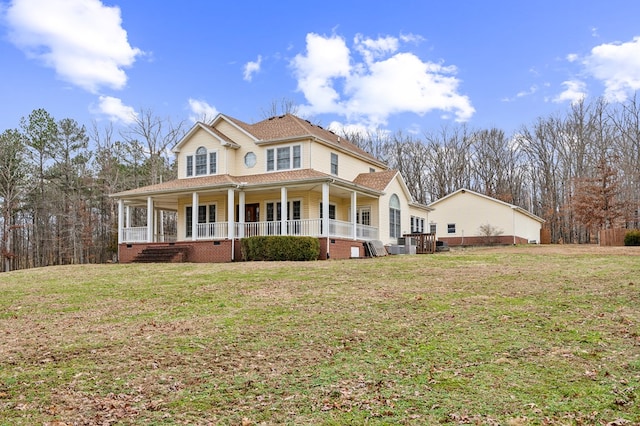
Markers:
point(217, 217)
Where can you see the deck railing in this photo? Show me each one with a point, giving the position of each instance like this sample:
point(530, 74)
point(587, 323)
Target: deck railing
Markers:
point(300, 227)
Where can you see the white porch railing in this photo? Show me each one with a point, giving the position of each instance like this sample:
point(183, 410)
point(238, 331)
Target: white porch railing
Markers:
point(207, 231)
point(301, 227)
point(137, 234)
point(365, 232)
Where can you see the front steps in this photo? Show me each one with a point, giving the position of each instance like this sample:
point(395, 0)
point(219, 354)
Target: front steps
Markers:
point(163, 254)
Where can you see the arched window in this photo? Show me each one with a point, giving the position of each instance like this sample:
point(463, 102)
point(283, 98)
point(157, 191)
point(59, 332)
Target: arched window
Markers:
point(201, 161)
point(394, 217)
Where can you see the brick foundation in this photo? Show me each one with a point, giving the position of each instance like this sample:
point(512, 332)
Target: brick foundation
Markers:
point(219, 251)
point(339, 248)
point(482, 241)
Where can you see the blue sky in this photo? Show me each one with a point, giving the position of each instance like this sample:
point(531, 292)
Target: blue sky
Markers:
point(412, 66)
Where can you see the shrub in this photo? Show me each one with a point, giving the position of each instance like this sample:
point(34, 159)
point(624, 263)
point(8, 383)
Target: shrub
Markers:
point(280, 247)
point(632, 238)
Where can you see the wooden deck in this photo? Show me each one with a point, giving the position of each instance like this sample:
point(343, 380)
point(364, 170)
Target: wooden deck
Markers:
point(425, 243)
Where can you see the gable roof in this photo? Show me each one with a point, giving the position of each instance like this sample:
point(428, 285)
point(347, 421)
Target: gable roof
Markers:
point(381, 180)
point(224, 140)
point(491, 199)
point(300, 176)
point(277, 129)
point(376, 180)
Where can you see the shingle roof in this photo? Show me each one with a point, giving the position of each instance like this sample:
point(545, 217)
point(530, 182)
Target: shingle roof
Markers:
point(289, 126)
point(376, 180)
point(226, 180)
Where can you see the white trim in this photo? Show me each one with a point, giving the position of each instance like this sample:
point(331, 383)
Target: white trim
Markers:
point(275, 157)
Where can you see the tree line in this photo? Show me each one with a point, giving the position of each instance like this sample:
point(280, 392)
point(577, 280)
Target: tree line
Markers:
point(55, 180)
point(580, 171)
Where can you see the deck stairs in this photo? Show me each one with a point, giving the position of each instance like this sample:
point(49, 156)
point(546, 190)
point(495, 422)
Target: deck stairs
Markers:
point(163, 254)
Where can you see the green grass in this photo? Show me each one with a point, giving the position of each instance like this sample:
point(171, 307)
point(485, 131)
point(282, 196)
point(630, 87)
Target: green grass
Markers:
point(516, 336)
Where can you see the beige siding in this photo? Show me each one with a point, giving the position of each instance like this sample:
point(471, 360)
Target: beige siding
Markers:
point(221, 210)
point(348, 167)
point(394, 187)
point(468, 212)
point(200, 138)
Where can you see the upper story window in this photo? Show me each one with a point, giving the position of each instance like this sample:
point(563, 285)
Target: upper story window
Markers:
point(202, 163)
point(284, 158)
point(334, 164)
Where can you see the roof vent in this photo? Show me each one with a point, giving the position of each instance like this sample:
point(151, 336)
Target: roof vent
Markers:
point(338, 139)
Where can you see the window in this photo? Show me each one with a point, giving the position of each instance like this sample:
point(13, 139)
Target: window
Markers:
point(284, 158)
point(274, 214)
point(332, 215)
point(206, 214)
point(202, 163)
point(363, 216)
point(451, 228)
point(394, 217)
point(433, 228)
point(189, 165)
point(213, 163)
point(334, 164)
point(293, 210)
point(417, 225)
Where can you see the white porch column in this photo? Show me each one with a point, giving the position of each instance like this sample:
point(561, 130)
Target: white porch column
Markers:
point(194, 216)
point(120, 221)
point(354, 214)
point(325, 210)
point(241, 212)
point(230, 215)
point(128, 217)
point(283, 211)
point(150, 222)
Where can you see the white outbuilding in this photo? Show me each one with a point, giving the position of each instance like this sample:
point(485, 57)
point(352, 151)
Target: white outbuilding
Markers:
point(465, 217)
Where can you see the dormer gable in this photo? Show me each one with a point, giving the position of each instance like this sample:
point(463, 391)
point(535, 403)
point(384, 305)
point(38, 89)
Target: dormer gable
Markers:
point(221, 138)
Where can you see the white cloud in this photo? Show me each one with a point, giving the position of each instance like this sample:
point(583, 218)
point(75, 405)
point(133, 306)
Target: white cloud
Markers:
point(201, 110)
point(617, 65)
point(575, 90)
point(327, 58)
point(371, 49)
point(250, 68)
point(83, 40)
point(386, 81)
point(115, 110)
point(572, 57)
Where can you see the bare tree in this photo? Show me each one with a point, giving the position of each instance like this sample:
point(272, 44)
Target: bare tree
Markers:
point(626, 123)
point(489, 233)
point(156, 136)
point(281, 107)
point(497, 166)
point(448, 155)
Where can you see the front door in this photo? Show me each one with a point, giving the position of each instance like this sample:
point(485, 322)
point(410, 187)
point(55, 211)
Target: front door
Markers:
point(251, 216)
point(252, 212)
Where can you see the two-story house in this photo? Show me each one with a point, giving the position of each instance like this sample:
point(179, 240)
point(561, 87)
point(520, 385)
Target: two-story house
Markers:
point(280, 176)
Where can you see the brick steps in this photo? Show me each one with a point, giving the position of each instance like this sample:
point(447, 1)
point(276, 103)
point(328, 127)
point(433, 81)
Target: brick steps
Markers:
point(163, 254)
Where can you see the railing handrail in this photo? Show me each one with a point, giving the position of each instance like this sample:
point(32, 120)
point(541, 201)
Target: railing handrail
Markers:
point(296, 227)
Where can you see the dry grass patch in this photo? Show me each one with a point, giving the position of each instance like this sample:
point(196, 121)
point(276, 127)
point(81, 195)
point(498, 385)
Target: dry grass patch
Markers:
point(519, 335)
